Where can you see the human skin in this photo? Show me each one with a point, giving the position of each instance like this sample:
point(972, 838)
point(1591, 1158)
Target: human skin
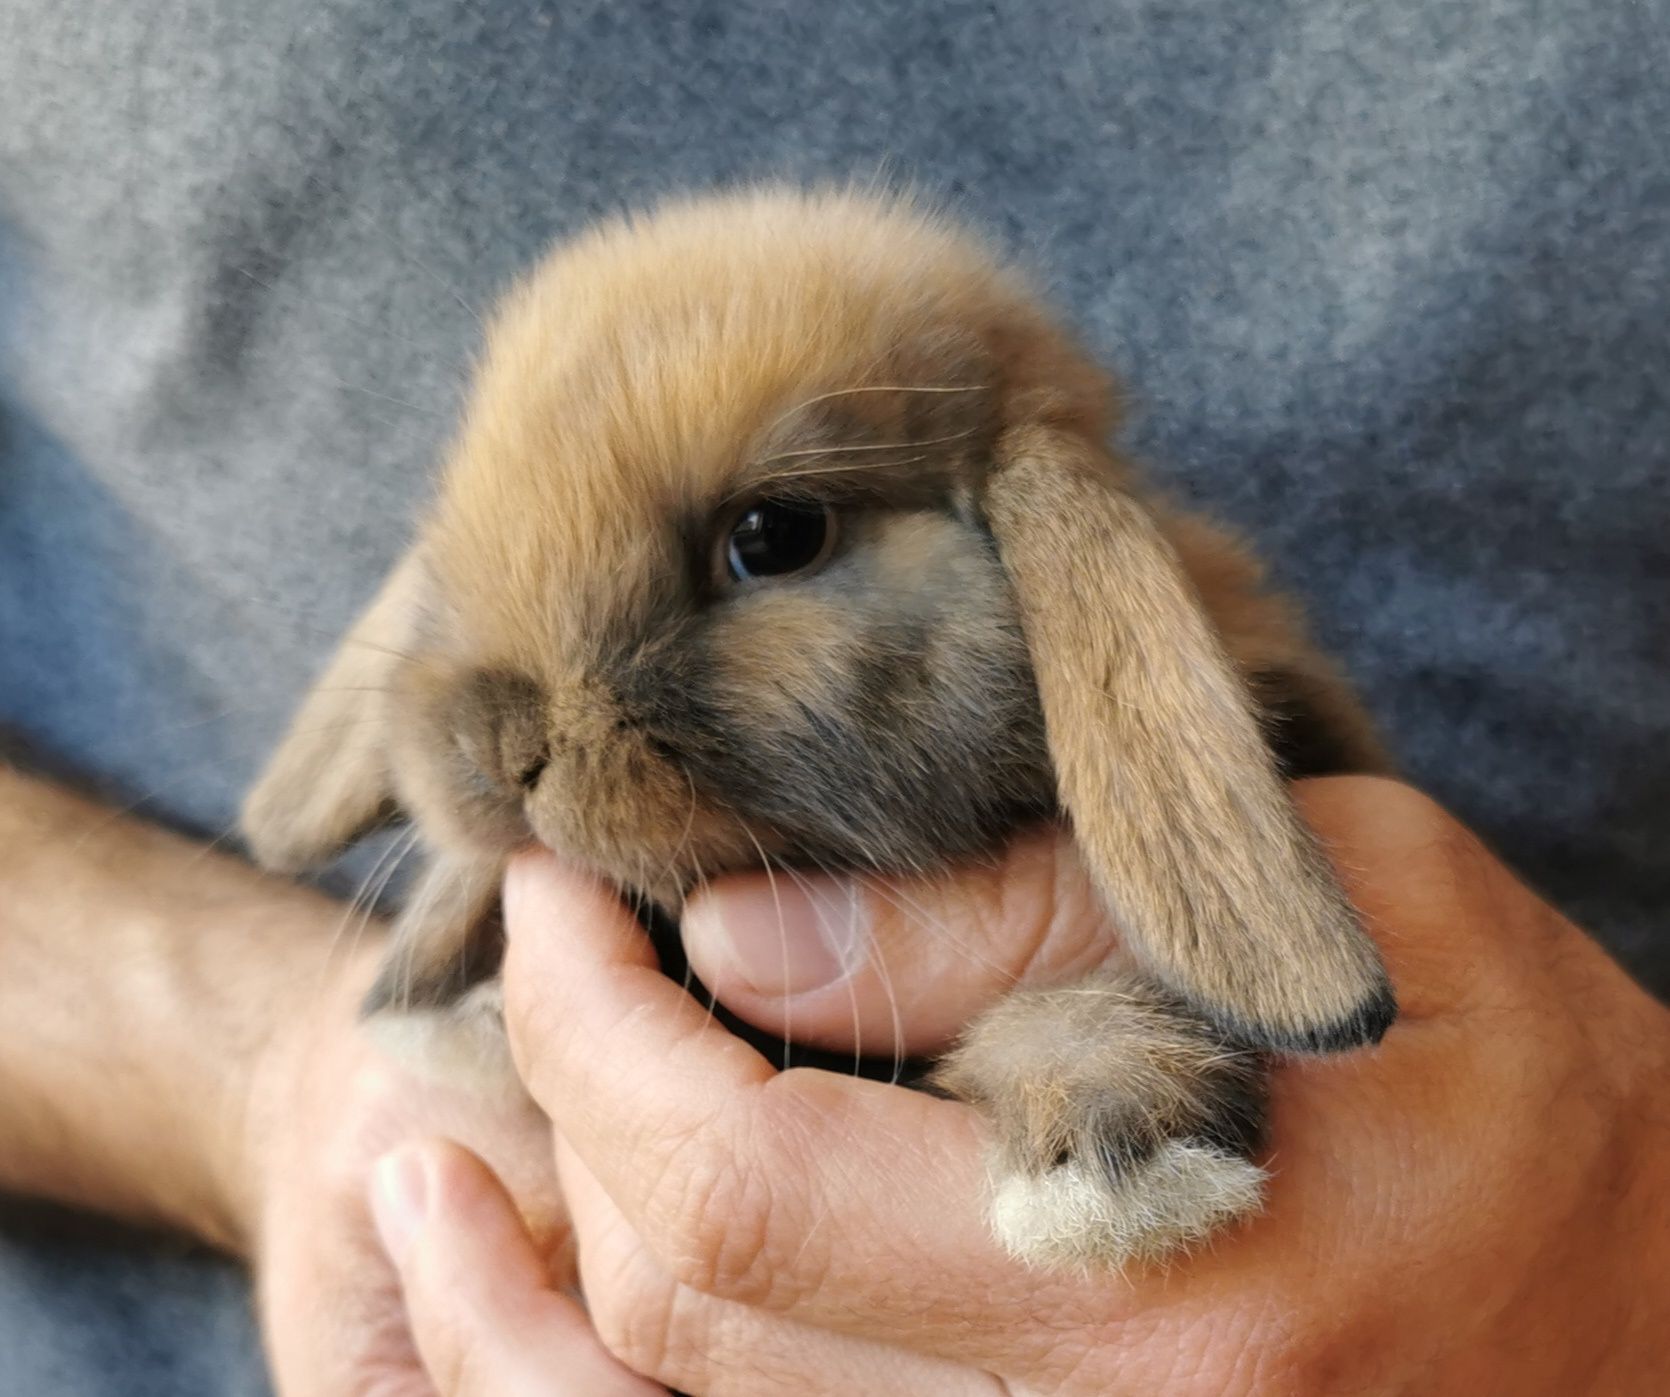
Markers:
point(179, 1047)
point(1480, 1205)
point(1474, 1204)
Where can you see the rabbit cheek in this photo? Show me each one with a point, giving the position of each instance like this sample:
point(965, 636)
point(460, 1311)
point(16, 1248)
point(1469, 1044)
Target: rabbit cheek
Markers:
point(874, 725)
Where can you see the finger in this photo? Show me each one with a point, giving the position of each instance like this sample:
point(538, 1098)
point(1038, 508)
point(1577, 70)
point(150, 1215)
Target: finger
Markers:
point(331, 1310)
point(881, 966)
point(900, 965)
point(847, 1204)
point(878, 964)
point(766, 1189)
point(697, 1343)
point(483, 1314)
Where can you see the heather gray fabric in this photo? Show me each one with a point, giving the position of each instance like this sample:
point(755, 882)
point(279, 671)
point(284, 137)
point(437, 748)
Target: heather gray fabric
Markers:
point(1389, 283)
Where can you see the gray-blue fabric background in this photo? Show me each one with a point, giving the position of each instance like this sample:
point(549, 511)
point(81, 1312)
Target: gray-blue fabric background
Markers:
point(1389, 281)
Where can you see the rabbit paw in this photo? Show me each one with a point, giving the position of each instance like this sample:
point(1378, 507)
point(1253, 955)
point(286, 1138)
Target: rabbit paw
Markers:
point(1080, 1214)
point(1125, 1124)
point(461, 1044)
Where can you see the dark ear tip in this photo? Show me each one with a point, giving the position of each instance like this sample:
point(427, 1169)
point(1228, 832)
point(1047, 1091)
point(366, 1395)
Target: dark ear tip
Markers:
point(1363, 1027)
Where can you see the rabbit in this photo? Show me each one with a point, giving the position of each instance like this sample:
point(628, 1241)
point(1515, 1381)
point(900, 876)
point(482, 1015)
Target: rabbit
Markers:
point(783, 527)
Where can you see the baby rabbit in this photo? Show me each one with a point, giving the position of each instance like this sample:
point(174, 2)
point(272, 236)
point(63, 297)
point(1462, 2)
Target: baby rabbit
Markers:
point(783, 528)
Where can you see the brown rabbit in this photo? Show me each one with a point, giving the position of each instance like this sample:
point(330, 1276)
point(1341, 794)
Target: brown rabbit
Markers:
point(783, 526)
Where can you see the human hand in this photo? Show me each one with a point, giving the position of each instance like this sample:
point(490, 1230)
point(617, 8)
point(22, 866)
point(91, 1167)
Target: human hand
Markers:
point(182, 1048)
point(1478, 1205)
point(329, 1100)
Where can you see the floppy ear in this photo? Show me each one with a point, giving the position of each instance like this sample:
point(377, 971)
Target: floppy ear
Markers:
point(1161, 765)
point(1314, 723)
point(329, 782)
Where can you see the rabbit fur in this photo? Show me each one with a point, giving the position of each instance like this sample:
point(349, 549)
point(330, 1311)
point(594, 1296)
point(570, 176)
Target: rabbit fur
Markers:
point(1007, 626)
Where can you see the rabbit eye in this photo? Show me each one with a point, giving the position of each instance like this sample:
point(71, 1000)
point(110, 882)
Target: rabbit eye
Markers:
point(777, 538)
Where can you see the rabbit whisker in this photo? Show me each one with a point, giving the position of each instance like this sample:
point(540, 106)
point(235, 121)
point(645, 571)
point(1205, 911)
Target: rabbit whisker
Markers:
point(879, 961)
point(852, 988)
point(808, 473)
point(700, 882)
point(866, 446)
point(876, 388)
point(782, 932)
point(357, 913)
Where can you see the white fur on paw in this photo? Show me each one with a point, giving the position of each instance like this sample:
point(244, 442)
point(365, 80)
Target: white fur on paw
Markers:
point(463, 1045)
point(1074, 1216)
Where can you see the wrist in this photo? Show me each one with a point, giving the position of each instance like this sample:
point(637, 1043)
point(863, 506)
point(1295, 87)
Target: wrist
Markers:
point(146, 984)
point(312, 1055)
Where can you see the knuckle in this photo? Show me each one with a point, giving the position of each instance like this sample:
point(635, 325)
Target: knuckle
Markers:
point(536, 1030)
point(722, 1216)
point(649, 1322)
point(1312, 1368)
point(633, 1317)
point(1313, 1350)
point(1288, 1342)
point(714, 1222)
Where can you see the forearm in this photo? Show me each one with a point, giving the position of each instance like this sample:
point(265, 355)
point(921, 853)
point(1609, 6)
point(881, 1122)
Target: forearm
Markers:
point(141, 978)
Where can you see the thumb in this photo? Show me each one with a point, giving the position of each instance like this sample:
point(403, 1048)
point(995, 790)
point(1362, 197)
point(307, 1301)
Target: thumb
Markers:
point(858, 962)
point(483, 1315)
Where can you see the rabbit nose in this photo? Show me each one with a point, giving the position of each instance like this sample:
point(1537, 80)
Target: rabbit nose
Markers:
point(518, 754)
point(593, 738)
point(528, 773)
point(501, 729)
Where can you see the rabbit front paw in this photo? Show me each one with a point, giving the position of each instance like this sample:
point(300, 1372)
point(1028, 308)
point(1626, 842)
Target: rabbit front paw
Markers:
point(1125, 1125)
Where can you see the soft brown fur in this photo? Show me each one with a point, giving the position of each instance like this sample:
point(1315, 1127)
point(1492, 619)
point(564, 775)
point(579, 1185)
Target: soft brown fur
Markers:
point(1219, 887)
point(1008, 628)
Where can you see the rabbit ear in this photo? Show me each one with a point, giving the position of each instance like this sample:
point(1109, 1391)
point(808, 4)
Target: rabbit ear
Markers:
point(329, 782)
point(1162, 768)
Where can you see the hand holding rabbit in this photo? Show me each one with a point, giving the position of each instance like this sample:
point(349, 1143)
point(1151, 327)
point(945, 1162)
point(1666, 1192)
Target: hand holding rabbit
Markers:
point(1479, 1207)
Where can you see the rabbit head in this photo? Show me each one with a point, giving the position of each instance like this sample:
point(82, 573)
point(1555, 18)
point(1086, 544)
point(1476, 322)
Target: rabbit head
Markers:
point(782, 526)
